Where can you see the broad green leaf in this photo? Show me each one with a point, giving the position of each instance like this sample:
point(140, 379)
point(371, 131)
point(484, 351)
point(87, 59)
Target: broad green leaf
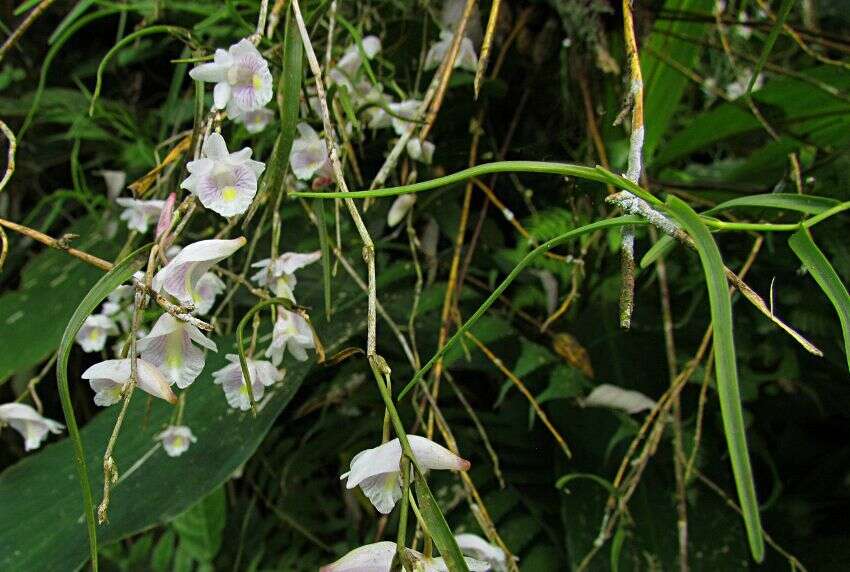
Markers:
point(33, 317)
point(109, 282)
point(726, 369)
point(41, 493)
point(807, 204)
point(826, 277)
point(438, 527)
point(200, 527)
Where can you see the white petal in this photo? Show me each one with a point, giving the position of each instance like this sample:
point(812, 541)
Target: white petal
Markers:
point(117, 370)
point(477, 547)
point(114, 180)
point(153, 382)
point(292, 261)
point(380, 460)
point(614, 397)
point(382, 490)
point(399, 208)
point(215, 148)
point(377, 557)
point(221, 95)
point(371, 46)
point(210, 72)
point(182, 273)
point(430, 455)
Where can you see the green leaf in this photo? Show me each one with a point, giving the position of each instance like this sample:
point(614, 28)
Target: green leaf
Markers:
point(438, 527)
point(39, 492)
point(726, 369)
point(200, 527)
point(826, 277)
point(109, 282)
point(661, 248)
point(768, 43)
point(807, 204)
point(163, 552)
point(289, 85)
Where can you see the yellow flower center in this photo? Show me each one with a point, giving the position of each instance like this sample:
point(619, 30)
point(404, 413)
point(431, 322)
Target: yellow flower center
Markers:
point(94, 335)
point(228, 193)
point(257, 81)
point(177, 442)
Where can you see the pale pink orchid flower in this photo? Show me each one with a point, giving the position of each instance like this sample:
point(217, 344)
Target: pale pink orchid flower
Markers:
point(138, 213)
point(279, 275)
point(351, 60)
point(32, 426)
point(176, 439)
point(378, 557)
point(181, 275)
point(170, 346)
point(242, 78)
point(224, 182)
point(466, 58)
point(255, 120)
point(94, 332)
point(263, 374)
point(377, 470)
point(309, 154)
point(478, 548)
point(291, 331)
point(209, 286)
point(109, 378)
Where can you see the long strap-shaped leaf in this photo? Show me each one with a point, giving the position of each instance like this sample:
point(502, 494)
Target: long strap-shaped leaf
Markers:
point(726, 368)
point(826, 277)
point(111, 280)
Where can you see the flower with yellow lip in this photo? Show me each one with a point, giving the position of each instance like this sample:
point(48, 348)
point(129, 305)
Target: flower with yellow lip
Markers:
point(169, 346)
point(176, 439)
point(224, 182)
point(181, 277)
point(263, 374)
point(242, 78)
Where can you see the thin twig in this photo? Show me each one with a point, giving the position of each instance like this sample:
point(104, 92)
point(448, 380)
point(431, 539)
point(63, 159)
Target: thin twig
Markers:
point(24, 26)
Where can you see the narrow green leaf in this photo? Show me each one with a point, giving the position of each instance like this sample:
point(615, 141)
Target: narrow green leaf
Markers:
point(438, 527)
point(75, 13)
point(111, 280)
point(726, 368)
point(826, 277)
point(806, 204)
point(528, 259)
point(658, 250)
point(289, 85)
point(784, 10)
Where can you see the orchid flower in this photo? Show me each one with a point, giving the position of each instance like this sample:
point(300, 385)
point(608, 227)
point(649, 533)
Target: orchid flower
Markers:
point(32, 426)
point(351, 60)
point(418, 150)
point(263, 374)
point(92, 335)
point(614, 397)
point(181, 275)
point(291, 331)
point(164, 222)
point(465, 59)
point(279, 275)
point(224, 182)
point(309, 153)
point(139, 214)
point(209, 286)
point(378, 557)
point(400, 208)
point(378, 474)
point(738, 87)
point(176, 439)
point(169, 347)
point(242, 78)
point(109, 378)
point(255, 120)
point(404, 112)
point(478, 548)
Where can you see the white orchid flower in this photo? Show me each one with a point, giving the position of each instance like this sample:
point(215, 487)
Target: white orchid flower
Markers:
point(309, 153)
point(209, 286)
point(478, 548)
point(351, 60)
point(176, 439)
point(224, 182)
point(291, 331)
point(255, 120)
point(614, 397)
point(263, 374)
point(400, 208)
point(418, 150)
point(466, 58)
point(92, 335)
point(378, 557)
point(738, 87)
point(377, 470)
point(242, 78)
point(183, 272)
point(109, 378)
point(32, 426)
point(404, 112)
point(169, 347)
point(139, 214)
point(279, 275)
